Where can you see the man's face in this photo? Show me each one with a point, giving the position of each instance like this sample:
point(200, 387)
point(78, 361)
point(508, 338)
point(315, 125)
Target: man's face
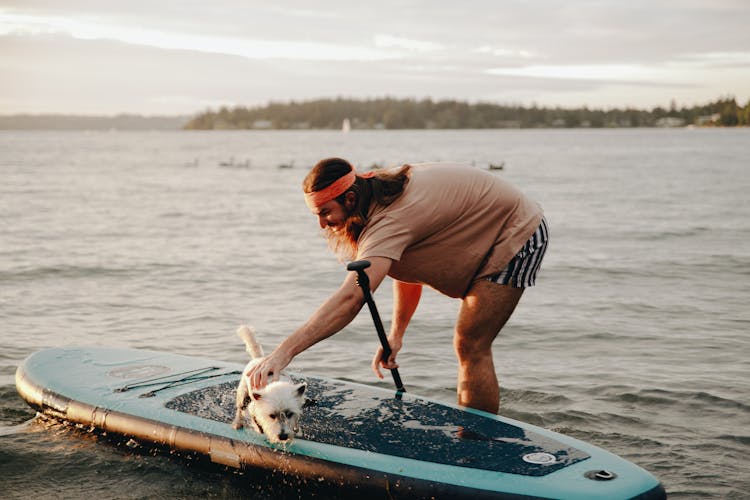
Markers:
point(333, 215)
point(335, 221)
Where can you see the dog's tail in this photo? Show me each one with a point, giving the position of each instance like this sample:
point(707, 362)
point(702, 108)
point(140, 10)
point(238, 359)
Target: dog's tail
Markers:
point(253, 348)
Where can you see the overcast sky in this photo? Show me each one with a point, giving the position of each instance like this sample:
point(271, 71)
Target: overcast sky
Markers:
point(181, 57)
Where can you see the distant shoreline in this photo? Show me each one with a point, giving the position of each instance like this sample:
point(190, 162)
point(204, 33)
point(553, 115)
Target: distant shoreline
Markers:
point(104, 130)
point(396, 114)
point(91, 122)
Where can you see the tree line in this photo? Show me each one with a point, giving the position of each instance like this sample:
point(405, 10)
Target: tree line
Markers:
point(391, 113)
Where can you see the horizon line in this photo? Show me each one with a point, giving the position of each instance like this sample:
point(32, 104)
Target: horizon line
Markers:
point(368, 99)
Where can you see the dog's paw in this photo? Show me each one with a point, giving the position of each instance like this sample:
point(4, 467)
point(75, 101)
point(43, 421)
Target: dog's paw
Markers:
point(237, 424)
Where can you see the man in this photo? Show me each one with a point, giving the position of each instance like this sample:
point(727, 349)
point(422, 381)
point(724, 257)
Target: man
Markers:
point(462, 231)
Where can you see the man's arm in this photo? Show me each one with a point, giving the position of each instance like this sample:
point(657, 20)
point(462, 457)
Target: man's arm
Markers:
point(332, 316)
point(405, 301)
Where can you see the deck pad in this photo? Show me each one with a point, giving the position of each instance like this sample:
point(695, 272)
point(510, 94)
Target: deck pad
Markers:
point(360, 417)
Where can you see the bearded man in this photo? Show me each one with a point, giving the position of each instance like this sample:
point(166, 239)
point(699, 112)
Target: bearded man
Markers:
point(460, 230)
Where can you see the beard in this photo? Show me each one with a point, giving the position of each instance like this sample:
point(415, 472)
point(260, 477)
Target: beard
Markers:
point(343, 242)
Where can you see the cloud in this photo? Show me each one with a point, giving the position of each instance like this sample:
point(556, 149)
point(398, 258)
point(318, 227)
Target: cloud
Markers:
point(86, 29)
point(602, 72)
point(505, 53)
point(388, 41)
point(718, 59)
point(683, 70)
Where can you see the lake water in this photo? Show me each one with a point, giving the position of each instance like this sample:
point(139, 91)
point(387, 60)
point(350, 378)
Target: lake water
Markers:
point(635, 338)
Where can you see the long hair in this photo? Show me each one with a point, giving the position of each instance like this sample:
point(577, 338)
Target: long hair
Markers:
point(383, 188)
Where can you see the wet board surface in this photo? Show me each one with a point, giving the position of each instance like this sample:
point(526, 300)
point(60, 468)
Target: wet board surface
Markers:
point(369, 439)
point(364, 418)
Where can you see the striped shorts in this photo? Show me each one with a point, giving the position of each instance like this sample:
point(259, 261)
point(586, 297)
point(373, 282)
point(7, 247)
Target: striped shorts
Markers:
point(521, 270)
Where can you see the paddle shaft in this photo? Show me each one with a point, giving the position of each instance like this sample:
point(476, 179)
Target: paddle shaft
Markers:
point(364, 282)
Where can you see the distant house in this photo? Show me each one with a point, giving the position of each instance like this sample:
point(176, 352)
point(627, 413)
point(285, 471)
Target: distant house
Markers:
point(262, 124)
point(708, 119)
point(558, 122)
point(669, 121)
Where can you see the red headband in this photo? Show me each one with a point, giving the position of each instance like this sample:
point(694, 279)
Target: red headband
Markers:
point(316, 199)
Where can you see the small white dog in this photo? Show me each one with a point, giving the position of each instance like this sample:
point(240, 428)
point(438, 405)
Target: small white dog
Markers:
point(274, 410)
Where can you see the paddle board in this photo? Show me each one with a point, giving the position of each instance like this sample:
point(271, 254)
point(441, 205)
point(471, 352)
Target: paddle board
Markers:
point(365, 439)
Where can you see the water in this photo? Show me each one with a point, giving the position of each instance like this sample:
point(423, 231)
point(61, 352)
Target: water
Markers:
point(635, 338)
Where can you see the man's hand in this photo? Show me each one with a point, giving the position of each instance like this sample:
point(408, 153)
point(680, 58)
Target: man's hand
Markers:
point(267, 370)
point(390, 363)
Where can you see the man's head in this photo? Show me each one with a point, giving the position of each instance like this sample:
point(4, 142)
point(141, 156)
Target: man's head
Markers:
point(340, 199)
point(333, 195)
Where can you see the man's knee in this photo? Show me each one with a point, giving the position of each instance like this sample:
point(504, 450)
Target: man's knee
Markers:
point(471, 350)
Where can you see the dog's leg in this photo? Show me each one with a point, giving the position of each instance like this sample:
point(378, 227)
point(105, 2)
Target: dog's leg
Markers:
point(247, 334)
point(243, 399)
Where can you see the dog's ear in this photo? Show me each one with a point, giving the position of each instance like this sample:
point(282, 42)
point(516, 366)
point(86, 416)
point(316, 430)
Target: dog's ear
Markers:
point(301, 389)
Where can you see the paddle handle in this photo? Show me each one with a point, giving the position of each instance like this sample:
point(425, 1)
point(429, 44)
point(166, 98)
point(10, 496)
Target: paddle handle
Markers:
point(363, 280)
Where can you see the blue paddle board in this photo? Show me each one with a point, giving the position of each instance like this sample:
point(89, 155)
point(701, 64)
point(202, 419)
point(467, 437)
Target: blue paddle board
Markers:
point(368, 440)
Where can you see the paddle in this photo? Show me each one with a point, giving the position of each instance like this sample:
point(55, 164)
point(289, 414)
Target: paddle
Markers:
point(364, 282)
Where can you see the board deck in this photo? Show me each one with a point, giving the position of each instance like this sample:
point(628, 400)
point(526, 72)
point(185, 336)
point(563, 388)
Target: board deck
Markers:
point(365, 438)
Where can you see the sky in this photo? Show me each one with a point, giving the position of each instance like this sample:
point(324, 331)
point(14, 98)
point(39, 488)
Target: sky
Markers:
point(170, 57)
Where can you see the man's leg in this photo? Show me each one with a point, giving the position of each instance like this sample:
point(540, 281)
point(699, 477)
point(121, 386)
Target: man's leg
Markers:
point(483, 313)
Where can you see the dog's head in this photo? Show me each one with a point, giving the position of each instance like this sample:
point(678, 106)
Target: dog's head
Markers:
point(276, 409)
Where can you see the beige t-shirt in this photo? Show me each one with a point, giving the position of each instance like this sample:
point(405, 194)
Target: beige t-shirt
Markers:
point(452, 225)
